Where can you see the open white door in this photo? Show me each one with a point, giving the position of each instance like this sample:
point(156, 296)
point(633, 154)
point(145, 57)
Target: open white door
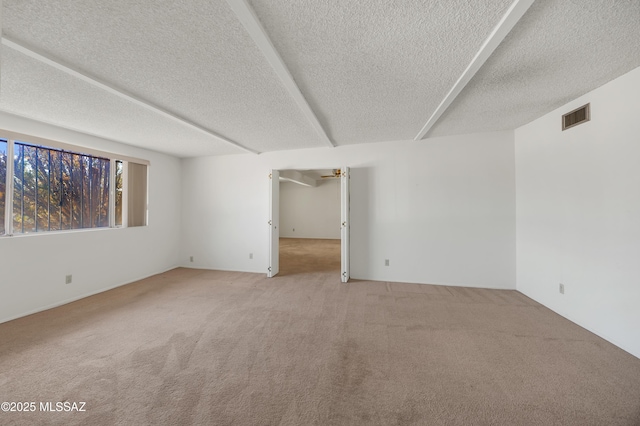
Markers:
point(274, 224)
point(345, 224)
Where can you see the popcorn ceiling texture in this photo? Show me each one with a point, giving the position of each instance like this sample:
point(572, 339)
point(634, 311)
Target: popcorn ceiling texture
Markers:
point(374, 70)
point(558, 51)
point(193, 58)
point(371, 70)
point(51, 96)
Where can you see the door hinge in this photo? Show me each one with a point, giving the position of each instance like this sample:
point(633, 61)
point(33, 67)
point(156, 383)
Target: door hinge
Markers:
point(344, 274)
point(270, 176)
point(269, 222)
point(269, 269)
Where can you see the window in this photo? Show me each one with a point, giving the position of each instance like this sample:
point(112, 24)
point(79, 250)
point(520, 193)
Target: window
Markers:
point(137, 202)
point(56, 188)
point(3, 182)
point(119, 177)
point(130, 209)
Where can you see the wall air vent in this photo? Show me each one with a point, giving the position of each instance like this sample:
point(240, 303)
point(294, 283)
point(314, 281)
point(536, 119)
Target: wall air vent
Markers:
point(577, 116)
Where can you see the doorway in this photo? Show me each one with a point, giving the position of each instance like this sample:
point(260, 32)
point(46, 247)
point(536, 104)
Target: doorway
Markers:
point(321, 241)
point(308, 255)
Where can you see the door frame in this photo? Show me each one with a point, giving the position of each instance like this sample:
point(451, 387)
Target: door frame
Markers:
point(273, 224)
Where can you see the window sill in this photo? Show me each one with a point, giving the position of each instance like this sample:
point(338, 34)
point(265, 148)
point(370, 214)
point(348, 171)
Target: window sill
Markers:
point(62, 232)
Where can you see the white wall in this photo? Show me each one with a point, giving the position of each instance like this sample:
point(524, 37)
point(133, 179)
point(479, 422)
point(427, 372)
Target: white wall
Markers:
point(442, 210)
point(310, 212)
point(578, 213)
point(33, 267)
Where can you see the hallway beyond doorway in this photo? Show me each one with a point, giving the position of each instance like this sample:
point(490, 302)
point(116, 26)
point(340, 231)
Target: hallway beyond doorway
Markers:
point(303, 255)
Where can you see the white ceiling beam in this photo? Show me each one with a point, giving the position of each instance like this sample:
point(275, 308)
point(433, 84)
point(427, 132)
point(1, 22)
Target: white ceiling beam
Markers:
point(252, 24)
point(297, 177)
point(506, 24)
point(107, 87)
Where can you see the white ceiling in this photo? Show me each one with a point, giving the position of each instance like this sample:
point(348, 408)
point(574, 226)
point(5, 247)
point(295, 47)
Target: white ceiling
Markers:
point(199, 78)
point(558, 51)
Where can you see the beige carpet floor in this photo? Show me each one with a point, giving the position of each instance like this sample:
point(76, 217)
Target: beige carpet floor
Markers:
point(304, 255)
point(226, 348)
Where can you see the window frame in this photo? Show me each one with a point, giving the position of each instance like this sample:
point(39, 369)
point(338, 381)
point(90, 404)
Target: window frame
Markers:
point(13, 137)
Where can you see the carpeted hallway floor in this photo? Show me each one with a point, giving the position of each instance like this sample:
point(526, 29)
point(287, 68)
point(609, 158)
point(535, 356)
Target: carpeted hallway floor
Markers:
point(225, 348)
point(304, 255)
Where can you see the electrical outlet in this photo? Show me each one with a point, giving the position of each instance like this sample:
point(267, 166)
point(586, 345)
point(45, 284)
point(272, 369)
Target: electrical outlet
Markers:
point(68, 279)
point(191, 259)
point(386, 262)
point(561, 288)
point(250, 255)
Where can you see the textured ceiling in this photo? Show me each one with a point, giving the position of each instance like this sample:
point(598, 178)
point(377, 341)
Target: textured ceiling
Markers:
point(559, 51)
point(374, 70)
point(371, 70)
point(36, 90)
point(193, 58)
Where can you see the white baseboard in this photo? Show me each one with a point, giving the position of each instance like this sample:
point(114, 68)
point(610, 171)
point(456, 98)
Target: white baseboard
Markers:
point(586, 327)
point(73, 299)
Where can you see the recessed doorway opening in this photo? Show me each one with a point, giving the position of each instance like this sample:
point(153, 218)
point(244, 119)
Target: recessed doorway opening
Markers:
point(309, 222)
